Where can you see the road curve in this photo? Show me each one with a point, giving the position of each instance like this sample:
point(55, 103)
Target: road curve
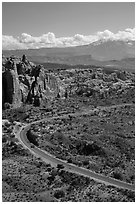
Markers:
point(45, 156)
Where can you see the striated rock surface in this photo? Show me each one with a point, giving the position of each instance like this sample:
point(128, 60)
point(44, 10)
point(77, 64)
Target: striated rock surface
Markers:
point(11, 88)
point(23, 81)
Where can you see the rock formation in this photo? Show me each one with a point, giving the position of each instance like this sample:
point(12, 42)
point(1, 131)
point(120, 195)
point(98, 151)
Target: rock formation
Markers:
point(23, 81)
point(10, 85)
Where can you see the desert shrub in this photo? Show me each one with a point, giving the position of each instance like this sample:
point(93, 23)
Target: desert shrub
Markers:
point(84, 148)
point(93, 76)
point(60, 166)
point(130, 194)
point(51, 179)
point(7, 124)
point(7, 106)
point(32, 137)
point(117, 175)
point(79, 92)
point(59, 194)
point(4, 139)
point(17, 114)
point(85, 162)
point(121, 75)
point(69, 160)
point(48, 165)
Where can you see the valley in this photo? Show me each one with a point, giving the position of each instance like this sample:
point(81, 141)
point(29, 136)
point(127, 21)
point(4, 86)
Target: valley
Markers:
point(82, 115)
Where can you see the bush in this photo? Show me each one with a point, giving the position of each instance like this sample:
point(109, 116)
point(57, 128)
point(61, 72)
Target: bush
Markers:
point(86, 162)
point(60, 166)
point(59, 194)
point(32, 137)
point(69, 160)
point(118, 175)
point(7, 124)
point(4, 139)
point(7, 106)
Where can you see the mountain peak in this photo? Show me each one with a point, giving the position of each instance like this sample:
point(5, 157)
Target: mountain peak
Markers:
point(101, 50)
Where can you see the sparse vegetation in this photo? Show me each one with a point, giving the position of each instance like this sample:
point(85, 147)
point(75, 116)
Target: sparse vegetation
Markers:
point(102, 139)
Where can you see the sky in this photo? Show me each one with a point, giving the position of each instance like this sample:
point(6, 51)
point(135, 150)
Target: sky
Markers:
point(45, 24)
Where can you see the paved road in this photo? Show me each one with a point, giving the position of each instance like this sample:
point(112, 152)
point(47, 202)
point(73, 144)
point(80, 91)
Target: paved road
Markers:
point(45, 156)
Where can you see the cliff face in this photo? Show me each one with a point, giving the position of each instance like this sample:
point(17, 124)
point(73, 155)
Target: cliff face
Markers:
point(25, 82)
point(11, 89)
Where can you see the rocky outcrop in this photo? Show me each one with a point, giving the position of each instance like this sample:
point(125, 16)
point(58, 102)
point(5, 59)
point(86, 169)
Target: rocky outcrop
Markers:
point(26, 82)
point(97, 83)
point(11, 89)
point(23, 81)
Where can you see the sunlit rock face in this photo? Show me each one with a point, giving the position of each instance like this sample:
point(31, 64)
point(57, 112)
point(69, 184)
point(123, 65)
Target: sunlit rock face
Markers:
point(11, 88)
point(25, 82)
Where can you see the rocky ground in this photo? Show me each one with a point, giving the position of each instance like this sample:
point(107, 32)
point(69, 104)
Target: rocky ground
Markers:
point(103, 140)
point(27, 179)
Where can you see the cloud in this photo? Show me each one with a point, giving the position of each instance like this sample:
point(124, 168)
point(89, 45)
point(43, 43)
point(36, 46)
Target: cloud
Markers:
point(105, 35)
point(11, 43)
point(26, 41)
point(128, 34)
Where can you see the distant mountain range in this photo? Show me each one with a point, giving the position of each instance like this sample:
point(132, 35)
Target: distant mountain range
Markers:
point(108, 53)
